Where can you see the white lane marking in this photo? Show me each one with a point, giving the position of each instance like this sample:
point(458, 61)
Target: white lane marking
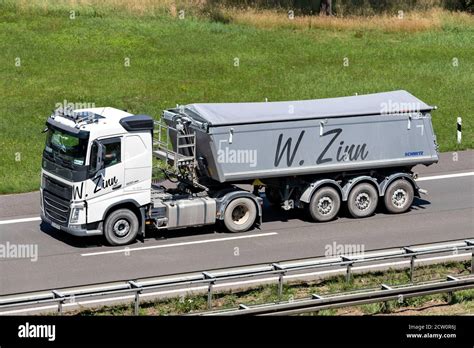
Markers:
point(446, 176)
point(16, 221)
point(179, 244)
point(190, 290)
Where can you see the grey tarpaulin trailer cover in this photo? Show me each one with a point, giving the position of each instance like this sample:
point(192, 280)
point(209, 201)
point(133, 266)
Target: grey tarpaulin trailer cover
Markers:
point(244, 141)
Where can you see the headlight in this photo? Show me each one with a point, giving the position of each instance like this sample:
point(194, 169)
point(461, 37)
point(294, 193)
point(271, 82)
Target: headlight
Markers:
point(75, 214)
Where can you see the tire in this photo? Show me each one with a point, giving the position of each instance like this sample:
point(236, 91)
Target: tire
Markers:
point(273, 197)
point(325, 204)
point(399, 196)
point(240, 215)
point(121, 227)
point(362, 200)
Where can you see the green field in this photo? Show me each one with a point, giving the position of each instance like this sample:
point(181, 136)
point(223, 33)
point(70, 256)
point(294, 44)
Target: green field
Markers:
point(188, 60)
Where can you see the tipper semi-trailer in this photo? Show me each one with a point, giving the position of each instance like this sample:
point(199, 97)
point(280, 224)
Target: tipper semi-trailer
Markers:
point(315, 155)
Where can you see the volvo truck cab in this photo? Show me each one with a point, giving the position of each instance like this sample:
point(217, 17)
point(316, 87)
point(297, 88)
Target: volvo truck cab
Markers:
point(96, 178)
point(96, 160)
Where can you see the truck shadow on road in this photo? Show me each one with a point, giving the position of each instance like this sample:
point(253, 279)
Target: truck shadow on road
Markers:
point(275, 214)
point(76, 242)
point(150, 234)
point(419, 203)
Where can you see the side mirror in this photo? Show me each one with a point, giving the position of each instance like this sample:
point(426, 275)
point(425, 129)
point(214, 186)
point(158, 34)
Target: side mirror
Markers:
point(100, 158)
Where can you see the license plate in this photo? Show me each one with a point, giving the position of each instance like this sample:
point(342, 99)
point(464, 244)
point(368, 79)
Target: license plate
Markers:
point(55, 225)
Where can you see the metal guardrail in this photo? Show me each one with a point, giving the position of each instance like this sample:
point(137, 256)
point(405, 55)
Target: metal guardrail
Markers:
point(317, 302)
point(210, 278)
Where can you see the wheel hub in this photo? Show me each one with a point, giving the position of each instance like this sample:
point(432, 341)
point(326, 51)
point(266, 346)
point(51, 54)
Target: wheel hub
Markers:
point(325, 205)
point(362, 201)
point(399, 198)
point(240, 214)
point(121, 228)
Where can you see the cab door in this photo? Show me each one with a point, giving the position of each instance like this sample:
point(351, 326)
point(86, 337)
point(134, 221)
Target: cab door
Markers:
point(110, 179)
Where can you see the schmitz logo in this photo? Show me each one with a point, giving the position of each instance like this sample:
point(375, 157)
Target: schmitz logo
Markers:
point(413, 153)
point(37, 331)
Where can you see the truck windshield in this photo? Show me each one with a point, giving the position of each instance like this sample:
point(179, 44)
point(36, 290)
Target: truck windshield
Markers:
point(69, 149)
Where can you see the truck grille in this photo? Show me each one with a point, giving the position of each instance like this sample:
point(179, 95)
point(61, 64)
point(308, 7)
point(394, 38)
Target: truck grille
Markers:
point(56, 208)
point(57, 188)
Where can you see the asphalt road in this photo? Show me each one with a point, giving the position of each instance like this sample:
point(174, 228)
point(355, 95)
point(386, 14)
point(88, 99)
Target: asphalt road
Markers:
point(446, 213)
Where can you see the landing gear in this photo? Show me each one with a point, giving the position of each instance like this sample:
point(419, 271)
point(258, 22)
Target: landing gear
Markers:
point(273, 196)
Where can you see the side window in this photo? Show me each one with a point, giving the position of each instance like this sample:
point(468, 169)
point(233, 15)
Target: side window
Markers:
point(112, 151)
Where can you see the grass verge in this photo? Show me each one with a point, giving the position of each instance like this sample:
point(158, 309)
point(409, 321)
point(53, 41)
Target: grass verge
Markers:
point(145, 57)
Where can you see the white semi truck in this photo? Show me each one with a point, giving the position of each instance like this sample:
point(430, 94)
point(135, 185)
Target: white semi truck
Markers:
point(316, 155)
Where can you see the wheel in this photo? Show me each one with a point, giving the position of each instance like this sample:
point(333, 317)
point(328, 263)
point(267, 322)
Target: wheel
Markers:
point(362, 200)
point(324, 204)
point(121, 227)
point(240, 215)
point(399, 196)
point(273, 196)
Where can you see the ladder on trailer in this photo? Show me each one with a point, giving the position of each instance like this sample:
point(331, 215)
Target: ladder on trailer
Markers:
point(181, 154)
point(177, 147)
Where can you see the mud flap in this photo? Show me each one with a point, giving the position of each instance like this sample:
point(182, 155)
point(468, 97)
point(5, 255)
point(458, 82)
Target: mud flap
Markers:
point(141, 232)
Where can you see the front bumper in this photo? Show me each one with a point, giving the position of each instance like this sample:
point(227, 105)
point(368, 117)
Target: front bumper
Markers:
point(80, 232)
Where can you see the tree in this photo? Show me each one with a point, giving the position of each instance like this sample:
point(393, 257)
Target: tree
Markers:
point(326, 7)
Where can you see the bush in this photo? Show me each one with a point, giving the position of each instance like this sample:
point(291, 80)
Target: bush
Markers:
point(349, 7)
point(215, 14)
